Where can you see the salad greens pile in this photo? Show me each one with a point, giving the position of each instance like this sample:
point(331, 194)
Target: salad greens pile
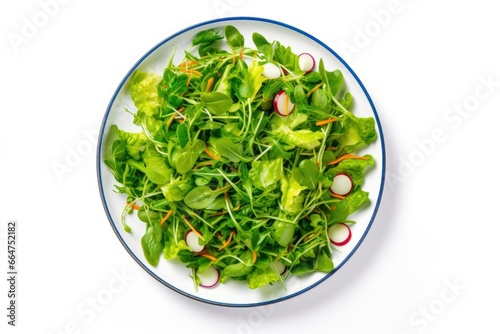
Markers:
point(213, 157)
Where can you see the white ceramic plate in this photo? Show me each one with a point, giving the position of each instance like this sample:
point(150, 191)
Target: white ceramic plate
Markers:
point(174, 274)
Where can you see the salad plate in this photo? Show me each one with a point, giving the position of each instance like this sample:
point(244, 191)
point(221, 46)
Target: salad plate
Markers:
point(136, 228)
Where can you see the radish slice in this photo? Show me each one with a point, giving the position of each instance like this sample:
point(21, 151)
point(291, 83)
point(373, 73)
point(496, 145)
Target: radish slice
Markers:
point(282, 104)
point(306, 62)
point(280, 267)
point(271, 71)
point(209, 278)
point(342, 184)
point(339, 234)
point(193, 242)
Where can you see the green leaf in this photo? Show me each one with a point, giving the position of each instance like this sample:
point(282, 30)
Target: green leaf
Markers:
point(206, 36)
point(265, 174)
point(200, 197)
point(283, 232)
point(355, 168)
point(307, 174)
point(175, 190)
point(144, 91)
point(230, 150)
point(157, 170)
point(261, 277)
point(333, 80)
point(291, 199)
point(152, 244)
point(187, 157)
point(234, 38)
point(347, 206)
point(182, 133)
point(358, 133)
point(134, 142)
point(263, 46)
point(216, 102)
point(287, 58)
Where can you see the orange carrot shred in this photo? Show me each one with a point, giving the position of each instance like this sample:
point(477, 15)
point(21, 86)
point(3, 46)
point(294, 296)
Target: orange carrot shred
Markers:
point(210, 83)
point(315, 88)
point(337, 196)
point(346, 156)
point(133, 206)
point(226, 243)
point(326, 121)
point(164, 219)
point(192, 228)
point(208, 256)
point(254, 257)
point(210, 154)
point(174, 115)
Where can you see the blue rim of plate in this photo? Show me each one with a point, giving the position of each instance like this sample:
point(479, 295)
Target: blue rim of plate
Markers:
point(146, 55)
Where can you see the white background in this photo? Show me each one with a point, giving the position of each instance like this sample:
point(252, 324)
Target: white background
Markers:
point(429, 261)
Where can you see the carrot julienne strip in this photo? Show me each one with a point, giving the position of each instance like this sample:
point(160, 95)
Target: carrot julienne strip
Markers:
point(346, 156)
point(208, 256)
point(210, 154)
point(164, 219)
point(326, 121)
point(226, 243)
point(192, 228)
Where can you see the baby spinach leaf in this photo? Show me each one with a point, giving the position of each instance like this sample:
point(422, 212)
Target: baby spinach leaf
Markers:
point(182, 134)
point(152, 244)
point(187, 157)
point(216, 102)
point(232, 151)
point(307, 174)
point(200, 197)
point(234, 38)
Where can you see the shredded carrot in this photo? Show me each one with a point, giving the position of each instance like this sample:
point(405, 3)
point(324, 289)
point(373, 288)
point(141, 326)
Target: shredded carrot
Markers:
point(187, 64)
point(241, 53)
point(254, 257)
point(190, 71)
point(210, 83)
point(337, 196)
point(174, 115)
point(315, 88)
point(164, 219)
point(208, 256)
point(226, 243)
point(326, 121)
point(192, 228)
point(332, 148)
point(346, 156)
point(211, 155)
point(133, 206)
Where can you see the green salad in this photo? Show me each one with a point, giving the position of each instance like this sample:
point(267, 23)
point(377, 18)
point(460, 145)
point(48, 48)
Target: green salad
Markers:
point(233, 167)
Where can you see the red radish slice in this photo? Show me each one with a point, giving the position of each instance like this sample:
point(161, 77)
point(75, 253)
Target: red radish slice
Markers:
point(193, 242)
point(279, 266)
point(209, 278)
point(342, 184)
point(339, 234)
point(306, 62)
point(271, 71)
point(282, 104)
